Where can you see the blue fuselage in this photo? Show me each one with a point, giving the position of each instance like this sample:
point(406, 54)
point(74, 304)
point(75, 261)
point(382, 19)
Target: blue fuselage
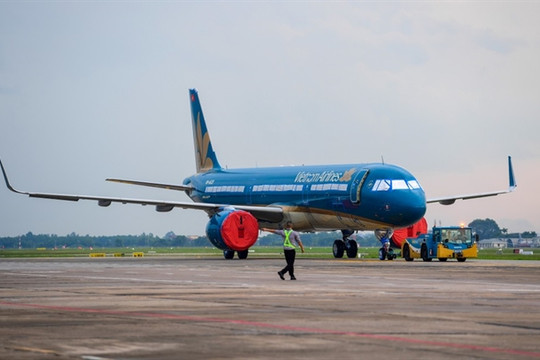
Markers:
point(315, 198)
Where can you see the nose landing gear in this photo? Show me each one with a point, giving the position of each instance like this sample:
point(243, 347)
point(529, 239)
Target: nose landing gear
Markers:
point(385, 252)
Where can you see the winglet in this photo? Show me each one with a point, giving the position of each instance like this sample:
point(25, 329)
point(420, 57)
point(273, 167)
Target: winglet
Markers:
point(7, 180)
point(205, 157)
point(449, 200)
point(511, 178)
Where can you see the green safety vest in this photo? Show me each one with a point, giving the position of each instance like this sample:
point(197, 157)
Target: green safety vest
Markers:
point(287, 242)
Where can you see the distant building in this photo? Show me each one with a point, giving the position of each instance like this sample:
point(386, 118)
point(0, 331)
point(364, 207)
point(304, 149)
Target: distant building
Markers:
point(502, 243)
point(493, 243)
point(527, 242)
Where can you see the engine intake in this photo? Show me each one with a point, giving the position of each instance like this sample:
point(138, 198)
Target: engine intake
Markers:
point(232, 230)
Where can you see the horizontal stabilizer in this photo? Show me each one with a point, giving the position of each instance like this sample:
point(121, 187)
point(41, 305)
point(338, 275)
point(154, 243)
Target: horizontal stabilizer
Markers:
point(150, 184)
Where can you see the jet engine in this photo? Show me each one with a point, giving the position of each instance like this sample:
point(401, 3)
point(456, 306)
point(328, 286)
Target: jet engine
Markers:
point(232, 229)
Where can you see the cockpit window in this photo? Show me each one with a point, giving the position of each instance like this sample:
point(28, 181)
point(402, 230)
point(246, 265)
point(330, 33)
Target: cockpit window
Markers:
point(382, 185)
point(413, 184)
point(398, 184)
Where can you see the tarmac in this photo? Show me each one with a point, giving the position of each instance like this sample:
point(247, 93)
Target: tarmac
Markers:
point(209, 308)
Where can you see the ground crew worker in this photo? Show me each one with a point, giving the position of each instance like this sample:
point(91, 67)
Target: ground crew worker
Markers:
point(290, 239)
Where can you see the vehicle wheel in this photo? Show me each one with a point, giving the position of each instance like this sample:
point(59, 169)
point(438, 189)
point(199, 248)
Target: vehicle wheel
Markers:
point(382, 253)
point(352, 249)
point(443, 259)
point(243, 254)
point(228, 254)
point(407, 253)
point(424, 253)
point(338, 249)
point(461, 259)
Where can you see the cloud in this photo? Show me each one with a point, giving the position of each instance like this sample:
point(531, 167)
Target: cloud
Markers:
point(95, 90)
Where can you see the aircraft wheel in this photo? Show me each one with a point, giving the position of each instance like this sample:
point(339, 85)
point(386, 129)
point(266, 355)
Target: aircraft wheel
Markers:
point(461, 259)
point(443, 259)
point(407, 253)
point(243, 254)
point(228, 254)
point(352, 249)
point(424, 253)
point(390, 254)
point(382, 253)
point(338, 249)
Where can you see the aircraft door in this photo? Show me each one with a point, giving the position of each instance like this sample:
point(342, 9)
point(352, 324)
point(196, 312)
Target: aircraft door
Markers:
point(248, 191)
point(356, 186)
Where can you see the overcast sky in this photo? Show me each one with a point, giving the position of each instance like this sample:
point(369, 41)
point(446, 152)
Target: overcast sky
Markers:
point(90, 90)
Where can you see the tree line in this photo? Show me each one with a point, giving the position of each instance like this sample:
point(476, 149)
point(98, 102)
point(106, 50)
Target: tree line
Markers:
point(489, 229)
point(73, 240)
point(486, 229)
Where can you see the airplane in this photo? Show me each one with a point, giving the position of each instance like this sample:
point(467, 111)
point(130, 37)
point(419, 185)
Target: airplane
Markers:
point(348, 197)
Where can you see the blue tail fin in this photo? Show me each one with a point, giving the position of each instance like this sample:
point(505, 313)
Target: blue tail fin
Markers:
point(205, 157)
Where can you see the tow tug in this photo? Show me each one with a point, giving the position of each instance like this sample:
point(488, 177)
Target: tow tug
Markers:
point(443, 243)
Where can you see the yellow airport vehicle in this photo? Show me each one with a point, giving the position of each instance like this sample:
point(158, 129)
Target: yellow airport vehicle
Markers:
point(442, 243)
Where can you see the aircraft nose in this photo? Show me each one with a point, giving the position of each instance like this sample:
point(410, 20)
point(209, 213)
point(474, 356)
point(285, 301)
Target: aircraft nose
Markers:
point(399, 198)
point(412, 207)
point(403, 210)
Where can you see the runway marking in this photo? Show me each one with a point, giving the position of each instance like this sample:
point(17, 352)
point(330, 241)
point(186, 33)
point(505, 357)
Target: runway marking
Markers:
point(36, 350)
point(401, 339)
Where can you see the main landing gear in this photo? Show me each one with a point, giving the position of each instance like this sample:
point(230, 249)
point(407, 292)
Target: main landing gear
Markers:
point(345, 245)
point(229, 254)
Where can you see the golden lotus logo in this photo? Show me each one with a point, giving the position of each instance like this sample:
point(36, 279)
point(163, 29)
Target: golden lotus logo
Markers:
point(204, 163)
point(348, 175)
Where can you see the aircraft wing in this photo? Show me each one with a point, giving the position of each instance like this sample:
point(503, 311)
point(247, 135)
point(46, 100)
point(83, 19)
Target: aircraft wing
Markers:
point(449, 200)
point(264, 213)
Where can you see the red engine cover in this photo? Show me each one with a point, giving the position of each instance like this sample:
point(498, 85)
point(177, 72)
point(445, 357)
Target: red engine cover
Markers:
point(239, 230)
point(412, 231)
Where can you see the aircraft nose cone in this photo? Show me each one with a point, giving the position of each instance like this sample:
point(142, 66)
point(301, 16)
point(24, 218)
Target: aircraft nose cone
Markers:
point(413, 207)
point(399, 199)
